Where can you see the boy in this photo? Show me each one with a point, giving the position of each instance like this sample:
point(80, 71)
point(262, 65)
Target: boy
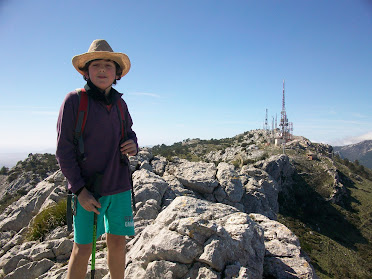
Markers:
point(104, 154)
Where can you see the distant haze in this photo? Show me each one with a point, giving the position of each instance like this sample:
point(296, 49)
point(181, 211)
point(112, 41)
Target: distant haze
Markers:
point(10, 159)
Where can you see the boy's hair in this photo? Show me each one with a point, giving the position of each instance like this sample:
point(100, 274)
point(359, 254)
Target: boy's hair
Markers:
point(118, 70)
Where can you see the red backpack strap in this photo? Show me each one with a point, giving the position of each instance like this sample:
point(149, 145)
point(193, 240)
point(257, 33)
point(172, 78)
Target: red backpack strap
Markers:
point(124, 137)
point(79, 144)
point(81, 119)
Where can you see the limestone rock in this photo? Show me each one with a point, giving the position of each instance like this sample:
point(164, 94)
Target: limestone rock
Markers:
point(19, 214)
point(31, 270)
point(175, 189)
point(144, 155)
point(230, 182)
point(158, 165)
point(283, 255)
point(279, 168)
point(198, 176)
point(192, 232)
point(261, 192)
point(165, 269)
point(146, 165)
point(149, 190)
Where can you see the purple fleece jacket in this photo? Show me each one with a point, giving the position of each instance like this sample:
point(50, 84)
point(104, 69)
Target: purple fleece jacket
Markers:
point(101, 144)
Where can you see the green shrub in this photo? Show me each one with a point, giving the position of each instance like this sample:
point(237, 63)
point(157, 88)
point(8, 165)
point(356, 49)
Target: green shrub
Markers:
point(236, 163)
point(264, 156)
point(4, 170)
point(48, 220)
point(249, 161)
point(8, 199)
point(13, 176)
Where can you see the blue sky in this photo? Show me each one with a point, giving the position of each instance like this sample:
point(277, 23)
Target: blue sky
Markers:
point(200, 69)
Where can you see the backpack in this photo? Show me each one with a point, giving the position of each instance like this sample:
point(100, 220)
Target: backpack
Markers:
point(81, 119)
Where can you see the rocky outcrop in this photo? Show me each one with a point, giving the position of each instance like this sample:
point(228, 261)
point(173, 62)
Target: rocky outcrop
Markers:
point(200, 177)
point(19, 214)
point(283, 256)
point(149, 190)
point(192, 238)
point(279, 168)
point(192, 221)
point(261, 192)
point(339, 190)
point(27, 173)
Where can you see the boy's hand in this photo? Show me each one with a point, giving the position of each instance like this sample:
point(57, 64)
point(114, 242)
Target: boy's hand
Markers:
point(128, 147)
point(88, 202)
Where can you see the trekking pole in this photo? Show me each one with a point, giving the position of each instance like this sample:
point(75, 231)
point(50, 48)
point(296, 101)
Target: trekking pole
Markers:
point(96, 195)
point(93, 265)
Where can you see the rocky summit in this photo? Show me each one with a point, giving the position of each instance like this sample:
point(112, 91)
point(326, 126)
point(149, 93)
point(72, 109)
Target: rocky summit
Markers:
point(212, 218)
point(194, 220)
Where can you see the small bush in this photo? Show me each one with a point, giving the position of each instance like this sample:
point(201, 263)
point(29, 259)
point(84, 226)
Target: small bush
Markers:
point(4, 170)
point(236, 163)
point(249, 161)
point(13, 176)
point(47, 220)
point(8, 199)
point(264, 156)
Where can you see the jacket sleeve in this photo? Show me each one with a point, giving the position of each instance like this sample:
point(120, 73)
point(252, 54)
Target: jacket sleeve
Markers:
point(129, 123)
point(65, 152)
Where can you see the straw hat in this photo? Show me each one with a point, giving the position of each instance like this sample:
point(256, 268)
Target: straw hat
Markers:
point(100, 49)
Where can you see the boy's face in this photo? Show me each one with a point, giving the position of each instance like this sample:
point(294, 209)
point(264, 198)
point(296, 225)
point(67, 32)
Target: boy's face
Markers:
point(102, 73)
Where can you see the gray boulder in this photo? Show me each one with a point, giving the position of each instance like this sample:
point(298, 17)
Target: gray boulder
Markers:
point(176, 189)
point(149, 190)
point(158, 165)
point(55, 250)
point(283, 255)
point(197, 176)
point(230, 182)
point(261, 192)
point(205, 236)
point(279, 168)
point(31, 270)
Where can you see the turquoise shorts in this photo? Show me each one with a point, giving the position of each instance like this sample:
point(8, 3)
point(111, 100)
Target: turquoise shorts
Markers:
point(116, 217)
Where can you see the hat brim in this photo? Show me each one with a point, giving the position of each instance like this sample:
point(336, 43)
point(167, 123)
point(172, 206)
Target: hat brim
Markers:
point(122, 59)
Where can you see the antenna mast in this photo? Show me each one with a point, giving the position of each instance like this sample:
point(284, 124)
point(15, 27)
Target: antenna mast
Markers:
point(266, 124)
point(284, 120)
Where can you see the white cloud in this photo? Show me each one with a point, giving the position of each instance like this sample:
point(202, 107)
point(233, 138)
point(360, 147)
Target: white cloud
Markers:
point(367, 136)
point(352, 140)
point(145, 94)
point(358, 115)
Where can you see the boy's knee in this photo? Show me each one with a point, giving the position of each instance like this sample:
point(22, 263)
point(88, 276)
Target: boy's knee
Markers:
point(116, 241)
point(82, 250)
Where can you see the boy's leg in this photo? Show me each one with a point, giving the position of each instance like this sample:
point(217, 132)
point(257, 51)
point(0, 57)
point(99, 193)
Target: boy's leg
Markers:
point(118, 224)
point(77, 266)
point(116, 245)
point(83, 235)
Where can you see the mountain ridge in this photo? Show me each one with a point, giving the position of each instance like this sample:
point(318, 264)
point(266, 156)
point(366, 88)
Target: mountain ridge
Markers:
point(361, 151)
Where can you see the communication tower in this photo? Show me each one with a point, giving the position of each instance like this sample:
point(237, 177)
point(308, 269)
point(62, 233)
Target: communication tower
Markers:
point(276, 121)
point(266, 124)
point(290, 130)
point(285, 131)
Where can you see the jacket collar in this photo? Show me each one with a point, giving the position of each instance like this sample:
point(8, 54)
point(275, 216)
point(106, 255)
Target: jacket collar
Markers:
point(96, 94)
